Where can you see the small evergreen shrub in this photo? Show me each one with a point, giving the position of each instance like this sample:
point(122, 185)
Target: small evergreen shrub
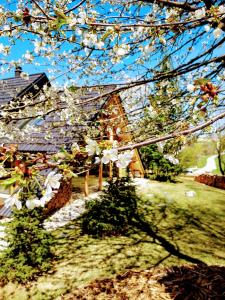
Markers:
point(29, 247)
point(111, 213)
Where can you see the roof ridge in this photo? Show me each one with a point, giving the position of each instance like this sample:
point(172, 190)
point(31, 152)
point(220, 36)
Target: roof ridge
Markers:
point(42, 73)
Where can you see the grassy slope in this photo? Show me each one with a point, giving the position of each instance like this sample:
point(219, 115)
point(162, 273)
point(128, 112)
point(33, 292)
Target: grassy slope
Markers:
point(194, 224)
point(196, 154)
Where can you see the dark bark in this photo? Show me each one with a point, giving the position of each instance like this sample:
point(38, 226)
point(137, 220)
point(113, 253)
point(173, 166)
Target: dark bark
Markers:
point(221, 167)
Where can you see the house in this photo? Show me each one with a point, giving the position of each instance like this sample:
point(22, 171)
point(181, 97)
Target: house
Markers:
point(52, 134)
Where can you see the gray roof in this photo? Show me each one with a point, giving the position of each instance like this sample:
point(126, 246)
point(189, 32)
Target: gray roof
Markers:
point(11, 88)
point(62, 134)
point(5, 211)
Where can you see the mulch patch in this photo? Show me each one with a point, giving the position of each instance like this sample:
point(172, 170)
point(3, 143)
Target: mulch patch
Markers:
point(199, 282)
point(132, 285)
point(195, 282)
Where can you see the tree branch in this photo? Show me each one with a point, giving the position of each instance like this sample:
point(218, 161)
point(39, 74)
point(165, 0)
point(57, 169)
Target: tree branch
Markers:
point(184, 6)
point(173, 135)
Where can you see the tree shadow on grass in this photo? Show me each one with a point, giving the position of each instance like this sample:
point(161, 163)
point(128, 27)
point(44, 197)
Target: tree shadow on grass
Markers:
point(161, 234)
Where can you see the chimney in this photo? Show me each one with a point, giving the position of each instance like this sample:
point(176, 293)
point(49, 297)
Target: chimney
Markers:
point(18, 71)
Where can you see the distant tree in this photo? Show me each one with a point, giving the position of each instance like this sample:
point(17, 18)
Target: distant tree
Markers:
point(160, 166)
point(220, 147)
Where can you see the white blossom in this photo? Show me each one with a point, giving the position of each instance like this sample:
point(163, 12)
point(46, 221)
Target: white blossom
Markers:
point(92, 147)
point(124, 159)
point(217, 32)
point(172, 159)
point(24, 75)
point(31, 204)
point(221, 9)
point(100, 45)
point(190, 87)
point(13, 201)
point(121, 50)
point(97, 160)
point(48, 194)
point(200, 13)
point(207, 28)
point(3, 172)
point(109, 155)
point(28, 56)
point(53, 180)
point(2, 49)
point(82, 16)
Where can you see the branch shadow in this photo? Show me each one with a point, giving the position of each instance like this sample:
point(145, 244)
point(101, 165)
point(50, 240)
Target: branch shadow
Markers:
point(161, 235)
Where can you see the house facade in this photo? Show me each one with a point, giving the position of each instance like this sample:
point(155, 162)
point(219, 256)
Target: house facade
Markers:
point(107, 111)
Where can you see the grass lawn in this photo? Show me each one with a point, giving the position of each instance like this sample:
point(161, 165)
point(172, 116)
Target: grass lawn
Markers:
point(195, 225)
point(197, 153)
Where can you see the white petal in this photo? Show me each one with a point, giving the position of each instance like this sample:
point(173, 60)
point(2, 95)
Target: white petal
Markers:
point(18, 204)
point(29, 204)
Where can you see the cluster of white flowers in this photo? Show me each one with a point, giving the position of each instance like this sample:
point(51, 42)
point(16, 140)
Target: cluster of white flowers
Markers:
point(217, 32)
point(172, 159)
point(121, 50)
point(24, 75)
point(171, 13)
point(122, 160)
point(147, 49)
point(3, 49)
point(52, 182)
point(81, 18)
point(3, 172)
point(190, 88)
point(28, 56)
point(92, 147)
point(200, 13)
point(221, 9)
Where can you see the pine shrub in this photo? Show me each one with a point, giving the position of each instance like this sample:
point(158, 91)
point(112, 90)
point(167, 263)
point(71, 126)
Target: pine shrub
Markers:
point(29, 247)
point(112, 212)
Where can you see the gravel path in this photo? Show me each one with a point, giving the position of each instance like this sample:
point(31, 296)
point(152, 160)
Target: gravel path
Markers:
point(63, 216)
point(60, 218)
point(68, 213)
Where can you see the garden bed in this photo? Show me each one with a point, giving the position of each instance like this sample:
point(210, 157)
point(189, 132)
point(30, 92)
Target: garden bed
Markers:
point(177, 283)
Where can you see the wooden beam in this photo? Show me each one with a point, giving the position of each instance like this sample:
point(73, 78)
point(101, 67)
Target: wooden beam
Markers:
point(100, 176)
point(110, 170)
point(111, 163)
point(86, 188)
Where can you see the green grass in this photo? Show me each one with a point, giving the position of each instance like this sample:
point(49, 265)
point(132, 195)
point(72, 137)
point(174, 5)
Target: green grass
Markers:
point(195, 224)
point(202, 161)
point(196, 154)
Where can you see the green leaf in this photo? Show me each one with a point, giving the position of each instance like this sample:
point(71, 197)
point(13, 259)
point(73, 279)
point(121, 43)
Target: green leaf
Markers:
point(107, 34)
point(60, 14)
point(10, 181)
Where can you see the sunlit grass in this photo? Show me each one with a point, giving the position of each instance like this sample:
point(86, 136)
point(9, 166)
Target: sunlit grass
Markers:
point(195, 225)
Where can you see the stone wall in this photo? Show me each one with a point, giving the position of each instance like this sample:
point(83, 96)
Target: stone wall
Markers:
point(212, 180)
point(61, 198)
